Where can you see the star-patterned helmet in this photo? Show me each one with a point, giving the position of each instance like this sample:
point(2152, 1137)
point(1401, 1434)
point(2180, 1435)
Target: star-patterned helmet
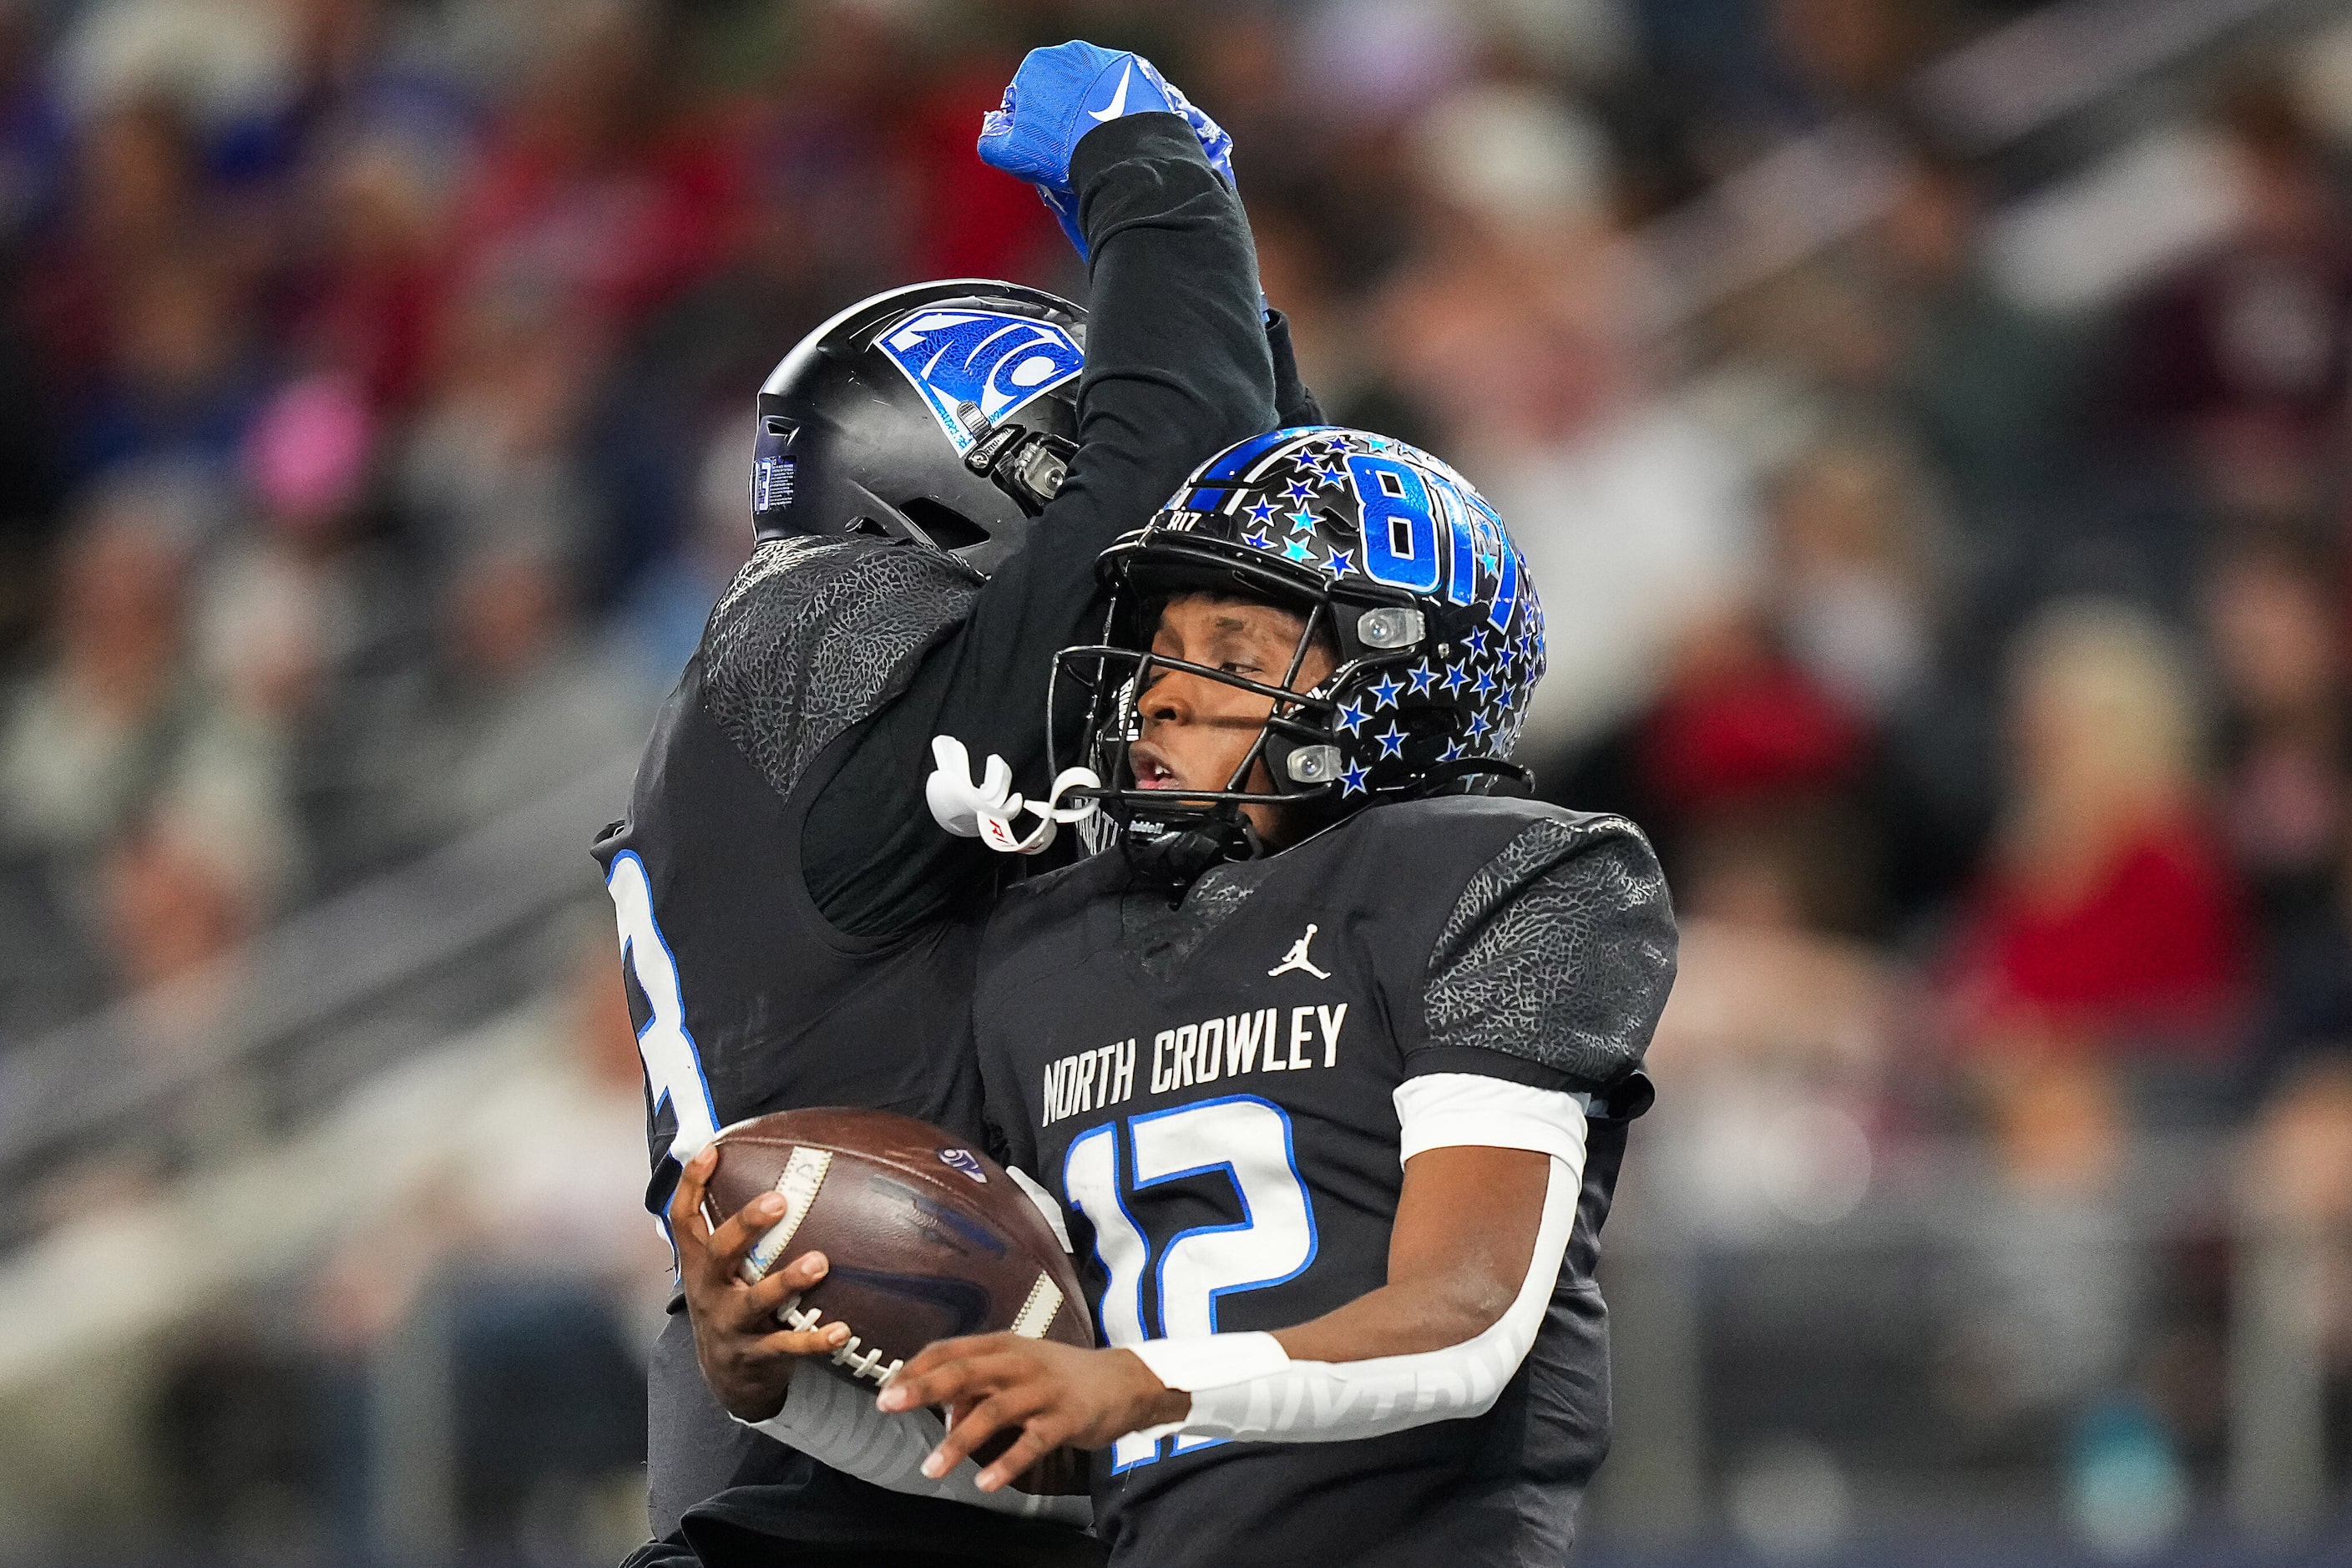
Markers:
point(1386, 551)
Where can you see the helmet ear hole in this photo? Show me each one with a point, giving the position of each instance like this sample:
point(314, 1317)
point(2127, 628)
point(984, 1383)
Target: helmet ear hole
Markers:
point(943, 525)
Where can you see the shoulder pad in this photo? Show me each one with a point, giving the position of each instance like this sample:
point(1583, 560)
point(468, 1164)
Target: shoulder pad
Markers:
point(1560, 950)
point(816, 633)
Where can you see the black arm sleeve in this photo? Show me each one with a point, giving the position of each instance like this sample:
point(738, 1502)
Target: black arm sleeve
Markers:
point(1178, 367)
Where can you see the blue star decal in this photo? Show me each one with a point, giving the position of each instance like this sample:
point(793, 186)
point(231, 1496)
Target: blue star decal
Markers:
point(1301, 521)
point(1342, 562)
point(1478, 726)
point(1387, 689)
point(1487, 560)
point(1261, 510)
point(1353, 718)
point(1424, 678)
point(1298, 490)
point(1391, 740)
point(1505, 700)
point(1456, 678)
point(1352, 779)
point(1453, 749)
point(1257, 539)
point(1485, 682)
point(1299, 550)
point(1478, 640)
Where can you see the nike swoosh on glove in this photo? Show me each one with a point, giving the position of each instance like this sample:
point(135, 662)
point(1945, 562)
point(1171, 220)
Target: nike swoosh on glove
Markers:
point(1061, 93)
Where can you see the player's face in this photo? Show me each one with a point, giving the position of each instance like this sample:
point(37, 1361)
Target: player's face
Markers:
point(1196, 731)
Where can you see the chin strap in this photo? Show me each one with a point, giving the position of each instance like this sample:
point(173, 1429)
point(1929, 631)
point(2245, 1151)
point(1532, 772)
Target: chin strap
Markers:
point(1173, 855)
point(989, 810)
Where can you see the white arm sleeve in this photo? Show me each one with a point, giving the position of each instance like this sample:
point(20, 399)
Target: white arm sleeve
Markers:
point(1244, 1385)
point(834, 1420)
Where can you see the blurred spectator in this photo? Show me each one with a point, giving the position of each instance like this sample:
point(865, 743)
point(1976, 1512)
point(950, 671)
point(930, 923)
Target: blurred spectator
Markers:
point(530, 699)
point(90, 738)
point(2106, 916)
point(309, 627)
point(89, 743)
point(1740, 724)
point(181, 382)
point(491, 461)
point(595, 193)
point(2296, 1189)
point(178, 897)
point(1853, 572)
point(2243, 355)
point(2307, 1024)
point(369, 304)
point(134, 203)
point(2274, 618)
point(1765, 983)
point(1992, 391)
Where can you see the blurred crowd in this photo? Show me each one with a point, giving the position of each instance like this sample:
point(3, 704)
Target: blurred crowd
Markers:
point(374, 377)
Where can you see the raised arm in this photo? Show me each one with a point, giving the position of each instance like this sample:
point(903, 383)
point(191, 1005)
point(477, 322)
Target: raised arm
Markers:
point(1178, 365)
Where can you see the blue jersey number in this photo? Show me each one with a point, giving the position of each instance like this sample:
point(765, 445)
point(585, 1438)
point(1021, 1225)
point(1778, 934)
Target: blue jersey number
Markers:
point(673, 1065)
point(1248, 1141)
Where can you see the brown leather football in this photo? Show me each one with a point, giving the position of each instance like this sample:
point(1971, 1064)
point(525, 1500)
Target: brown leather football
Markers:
point(926, 1237)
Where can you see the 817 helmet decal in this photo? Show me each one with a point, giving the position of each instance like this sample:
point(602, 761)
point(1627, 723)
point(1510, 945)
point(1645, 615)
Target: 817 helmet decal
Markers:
point(944, 412)
point(1380, 546)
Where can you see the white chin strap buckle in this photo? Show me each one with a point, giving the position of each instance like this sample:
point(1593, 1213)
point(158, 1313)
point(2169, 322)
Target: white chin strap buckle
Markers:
point(989, 810)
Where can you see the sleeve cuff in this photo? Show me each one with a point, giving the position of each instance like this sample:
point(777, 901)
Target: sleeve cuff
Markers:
point(1455, 1110)
point(1150, 135)
point(1210, 1361)
point(1207, 1360)
point(1488, 1063)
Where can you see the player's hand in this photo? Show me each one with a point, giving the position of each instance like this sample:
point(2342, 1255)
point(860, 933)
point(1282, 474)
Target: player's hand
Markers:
point(1052, 1394)
point(1061, 93)
point(747, 1354)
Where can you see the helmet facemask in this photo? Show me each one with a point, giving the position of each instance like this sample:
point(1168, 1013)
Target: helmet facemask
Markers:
point(1387, 554)
point(1179, 830)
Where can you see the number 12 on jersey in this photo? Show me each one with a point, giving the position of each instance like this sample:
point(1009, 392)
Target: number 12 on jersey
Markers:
point(1249, 1142)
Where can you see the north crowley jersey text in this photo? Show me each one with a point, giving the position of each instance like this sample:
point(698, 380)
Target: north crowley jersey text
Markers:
point(1228, 1046)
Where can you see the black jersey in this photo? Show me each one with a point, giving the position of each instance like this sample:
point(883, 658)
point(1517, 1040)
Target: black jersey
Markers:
point(1208, 1090)
point(795, 929)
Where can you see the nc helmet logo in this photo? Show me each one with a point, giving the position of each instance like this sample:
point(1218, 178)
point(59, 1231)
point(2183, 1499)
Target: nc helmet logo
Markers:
point(964, 1161)
point(982, 360)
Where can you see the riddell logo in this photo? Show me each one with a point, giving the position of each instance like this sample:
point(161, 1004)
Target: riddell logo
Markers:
point(964, 1161)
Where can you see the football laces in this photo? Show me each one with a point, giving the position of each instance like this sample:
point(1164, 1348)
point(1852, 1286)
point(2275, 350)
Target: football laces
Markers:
point(807, 1319)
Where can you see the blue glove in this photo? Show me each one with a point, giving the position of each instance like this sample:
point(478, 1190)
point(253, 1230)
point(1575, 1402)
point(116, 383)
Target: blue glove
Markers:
point(1060, 94)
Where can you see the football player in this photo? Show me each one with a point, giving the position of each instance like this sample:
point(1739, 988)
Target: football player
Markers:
point(1335, 1113)
point(935, 471)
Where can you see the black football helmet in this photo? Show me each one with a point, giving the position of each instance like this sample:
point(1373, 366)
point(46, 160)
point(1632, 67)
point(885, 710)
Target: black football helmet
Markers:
point(943, 412)
point(1384, 549)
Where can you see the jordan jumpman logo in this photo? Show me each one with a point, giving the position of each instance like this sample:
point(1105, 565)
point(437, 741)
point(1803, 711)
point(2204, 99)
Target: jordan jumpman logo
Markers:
point(1297, 959)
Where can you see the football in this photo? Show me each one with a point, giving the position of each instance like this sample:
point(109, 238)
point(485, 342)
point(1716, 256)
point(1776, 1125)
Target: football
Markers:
point(927, 1238)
